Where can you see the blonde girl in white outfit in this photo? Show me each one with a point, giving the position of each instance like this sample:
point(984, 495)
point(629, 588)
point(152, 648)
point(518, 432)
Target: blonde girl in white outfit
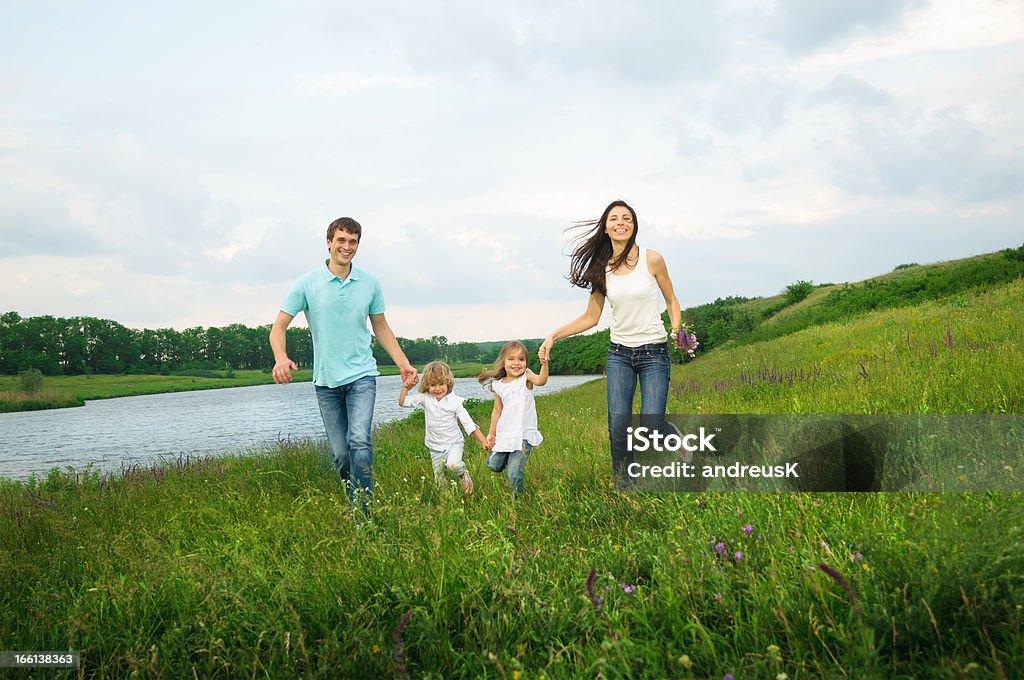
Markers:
point(513, 431)
point(443, 411)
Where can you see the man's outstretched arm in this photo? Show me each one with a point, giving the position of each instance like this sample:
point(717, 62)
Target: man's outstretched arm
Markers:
point(386, 337)
point(283, 366)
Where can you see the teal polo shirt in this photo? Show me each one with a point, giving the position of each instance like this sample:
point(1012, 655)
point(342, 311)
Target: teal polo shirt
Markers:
point(337, 312)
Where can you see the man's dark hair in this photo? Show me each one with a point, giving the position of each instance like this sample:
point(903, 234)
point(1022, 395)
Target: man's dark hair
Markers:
point(345, 224)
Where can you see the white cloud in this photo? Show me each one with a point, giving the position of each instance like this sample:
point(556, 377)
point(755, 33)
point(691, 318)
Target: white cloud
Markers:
point(806, 25)
point(348, 82)
point(938, 26)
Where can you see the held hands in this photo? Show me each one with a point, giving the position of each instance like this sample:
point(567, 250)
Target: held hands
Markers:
point(483, 440)
point(282, 371)
point(409, 375)
point(544, 353)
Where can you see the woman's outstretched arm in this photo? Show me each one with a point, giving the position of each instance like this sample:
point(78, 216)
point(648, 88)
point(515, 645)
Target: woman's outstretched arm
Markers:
point(586, 321)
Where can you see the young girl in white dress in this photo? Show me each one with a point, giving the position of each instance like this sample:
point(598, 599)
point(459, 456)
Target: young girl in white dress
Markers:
point(513, 431)
point(443, 411)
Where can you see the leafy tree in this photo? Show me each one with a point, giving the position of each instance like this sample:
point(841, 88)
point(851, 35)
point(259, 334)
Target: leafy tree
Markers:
point(795, 292)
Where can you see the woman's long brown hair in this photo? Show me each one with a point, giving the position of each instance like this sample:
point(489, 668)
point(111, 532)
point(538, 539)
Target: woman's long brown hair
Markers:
point(593, 251)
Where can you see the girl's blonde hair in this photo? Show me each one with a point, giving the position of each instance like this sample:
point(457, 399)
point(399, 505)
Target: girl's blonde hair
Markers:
point(437, 373)
point(497, 372)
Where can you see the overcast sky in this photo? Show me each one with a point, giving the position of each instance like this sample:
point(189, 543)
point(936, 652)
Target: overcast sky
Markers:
point(176, 164)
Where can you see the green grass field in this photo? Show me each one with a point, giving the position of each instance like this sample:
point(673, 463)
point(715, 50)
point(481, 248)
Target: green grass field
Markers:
point(250, 566)
point(62, 391)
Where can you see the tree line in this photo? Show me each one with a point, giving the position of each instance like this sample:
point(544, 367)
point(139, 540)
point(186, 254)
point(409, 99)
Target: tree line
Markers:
point(87, 345)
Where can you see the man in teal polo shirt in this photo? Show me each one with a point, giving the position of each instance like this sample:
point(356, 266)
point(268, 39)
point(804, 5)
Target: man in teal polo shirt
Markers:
point(338, 299)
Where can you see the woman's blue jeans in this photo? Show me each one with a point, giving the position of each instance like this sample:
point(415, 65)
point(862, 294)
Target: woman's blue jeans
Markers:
point(348, 414)
point(650, 365)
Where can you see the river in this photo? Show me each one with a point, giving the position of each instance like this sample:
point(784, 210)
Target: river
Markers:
point(109, 433)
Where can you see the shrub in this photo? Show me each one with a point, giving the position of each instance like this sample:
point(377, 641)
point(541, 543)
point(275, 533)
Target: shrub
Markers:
point(31, 381)
point(795, 292)
point(908, 265)
point(1015, 254)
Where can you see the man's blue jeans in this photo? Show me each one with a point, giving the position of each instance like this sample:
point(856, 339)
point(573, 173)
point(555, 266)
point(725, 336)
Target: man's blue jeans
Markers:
point(650, 365)
point(348, 414)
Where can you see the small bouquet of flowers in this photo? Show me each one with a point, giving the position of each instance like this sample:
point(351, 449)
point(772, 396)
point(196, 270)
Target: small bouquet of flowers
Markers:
point(685, 339)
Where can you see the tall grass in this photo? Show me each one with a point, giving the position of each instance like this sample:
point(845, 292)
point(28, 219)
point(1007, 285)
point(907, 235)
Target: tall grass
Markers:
point(962, 355)
point(251, 566)
point(11, 401)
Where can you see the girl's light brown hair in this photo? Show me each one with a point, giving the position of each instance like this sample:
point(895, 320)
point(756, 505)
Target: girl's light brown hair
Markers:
point(437, 373)
point(497, 372)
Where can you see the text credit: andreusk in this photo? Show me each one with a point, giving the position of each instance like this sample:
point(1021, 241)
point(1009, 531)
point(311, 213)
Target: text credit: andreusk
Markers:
point(821, 452)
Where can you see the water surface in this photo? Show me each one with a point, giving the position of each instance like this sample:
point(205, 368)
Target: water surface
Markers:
point(109, 433)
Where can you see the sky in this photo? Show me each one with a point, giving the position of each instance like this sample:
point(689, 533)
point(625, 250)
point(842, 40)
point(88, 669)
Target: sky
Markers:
point(177, 164)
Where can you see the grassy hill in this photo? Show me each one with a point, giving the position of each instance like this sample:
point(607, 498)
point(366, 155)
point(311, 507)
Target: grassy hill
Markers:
point(744, 321)
point(250, 565)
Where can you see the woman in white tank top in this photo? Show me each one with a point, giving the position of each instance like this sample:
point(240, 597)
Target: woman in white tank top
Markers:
point(635, 282)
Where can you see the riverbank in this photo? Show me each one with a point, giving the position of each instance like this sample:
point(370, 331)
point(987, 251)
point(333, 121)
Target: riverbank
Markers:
point(69, 391)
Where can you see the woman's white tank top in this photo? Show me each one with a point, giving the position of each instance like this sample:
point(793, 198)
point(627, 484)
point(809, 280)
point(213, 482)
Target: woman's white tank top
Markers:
point(636, 302)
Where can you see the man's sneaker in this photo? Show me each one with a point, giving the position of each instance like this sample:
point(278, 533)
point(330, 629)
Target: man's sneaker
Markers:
point(467, 484)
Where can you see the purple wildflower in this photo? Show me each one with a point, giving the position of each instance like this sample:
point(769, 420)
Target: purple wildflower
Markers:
point(858, 557)
point(738, 556)
point(838, 578)
point(727, 676)
point(399, 662)
point(685, 340)
point(718, 597)
point(594, 599)
point(749, 529)
point(629, 588)
point(720, 549)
